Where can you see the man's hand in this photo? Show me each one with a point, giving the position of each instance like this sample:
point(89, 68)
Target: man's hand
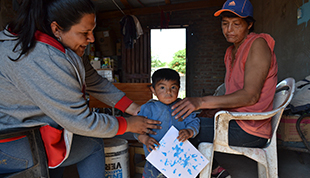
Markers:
point(186, 106)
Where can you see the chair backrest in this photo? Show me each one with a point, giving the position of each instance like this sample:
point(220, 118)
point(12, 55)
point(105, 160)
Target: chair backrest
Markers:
point(220, 90)
point(140, 93)
point(283, 96)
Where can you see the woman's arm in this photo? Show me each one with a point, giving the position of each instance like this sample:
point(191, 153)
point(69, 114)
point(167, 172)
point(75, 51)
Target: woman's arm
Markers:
point(256, 70)
point(99, 87)
point(133, 109)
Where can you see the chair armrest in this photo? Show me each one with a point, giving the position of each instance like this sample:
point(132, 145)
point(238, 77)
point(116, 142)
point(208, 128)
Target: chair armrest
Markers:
point(222, 118)
point(247, 115)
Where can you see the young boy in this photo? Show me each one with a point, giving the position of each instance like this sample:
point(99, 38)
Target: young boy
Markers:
point(165, 85)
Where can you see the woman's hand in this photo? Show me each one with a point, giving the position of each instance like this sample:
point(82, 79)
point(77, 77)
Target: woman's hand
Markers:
point(185, 134)
point(141, 125)
point(149, 142)
point(186, 107)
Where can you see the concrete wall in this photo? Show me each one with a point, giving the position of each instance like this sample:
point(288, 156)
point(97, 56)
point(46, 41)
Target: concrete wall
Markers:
point(279, 18)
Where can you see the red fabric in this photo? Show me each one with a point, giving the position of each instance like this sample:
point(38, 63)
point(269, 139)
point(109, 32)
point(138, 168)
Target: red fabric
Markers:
point(122, 125)
point(162, 17)
point(234, 80)
point(12, 139)
point(44, 38)
point(123, 103)
point(54, 145)
point(168, 20)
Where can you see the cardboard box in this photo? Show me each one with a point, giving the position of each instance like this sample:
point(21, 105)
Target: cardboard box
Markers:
point(106, 42)
point(287, 128)
point(107, 73)
point(95, 64)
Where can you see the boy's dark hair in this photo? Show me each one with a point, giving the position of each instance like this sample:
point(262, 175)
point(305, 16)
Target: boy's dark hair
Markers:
point(165, 74)
point(248, 19)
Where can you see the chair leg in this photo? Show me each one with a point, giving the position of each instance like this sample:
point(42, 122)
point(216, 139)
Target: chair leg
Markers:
point(262, 171)
point(207, 150)
point(272, 161)
point(131, 161)
point(273, 171)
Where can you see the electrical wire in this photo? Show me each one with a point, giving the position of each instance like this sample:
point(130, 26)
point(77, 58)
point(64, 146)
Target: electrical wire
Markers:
point(297, 4)
point(302, 136)
point(141, 3)
point(118, 7)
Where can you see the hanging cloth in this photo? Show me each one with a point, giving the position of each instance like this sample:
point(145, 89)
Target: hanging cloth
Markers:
point(138, 26)
point(301, 99)
point(164, 19)
point(128, 30)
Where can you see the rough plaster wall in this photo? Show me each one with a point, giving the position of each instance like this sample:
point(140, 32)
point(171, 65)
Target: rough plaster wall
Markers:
point(279, 19)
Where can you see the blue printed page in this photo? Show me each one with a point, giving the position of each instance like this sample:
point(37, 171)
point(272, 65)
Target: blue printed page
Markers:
point(177, 159)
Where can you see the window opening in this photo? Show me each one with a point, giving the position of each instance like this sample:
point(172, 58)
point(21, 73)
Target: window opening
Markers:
point(168, 50)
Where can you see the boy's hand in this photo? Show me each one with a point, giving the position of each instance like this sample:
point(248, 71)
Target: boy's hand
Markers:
point(185, 134)
point(149, 142)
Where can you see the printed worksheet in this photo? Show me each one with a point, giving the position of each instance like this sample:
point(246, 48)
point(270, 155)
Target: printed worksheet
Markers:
point(177, 159)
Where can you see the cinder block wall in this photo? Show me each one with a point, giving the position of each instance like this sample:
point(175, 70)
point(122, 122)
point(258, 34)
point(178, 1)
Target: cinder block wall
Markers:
point(205, 46)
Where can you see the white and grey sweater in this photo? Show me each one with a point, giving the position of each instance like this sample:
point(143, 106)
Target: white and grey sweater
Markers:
point(45, 87)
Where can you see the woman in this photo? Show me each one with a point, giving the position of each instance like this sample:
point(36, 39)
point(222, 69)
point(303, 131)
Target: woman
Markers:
point(43, 81)
point(250, 81)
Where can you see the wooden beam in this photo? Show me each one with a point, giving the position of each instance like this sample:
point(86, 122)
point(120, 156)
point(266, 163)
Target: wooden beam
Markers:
point(157, 9)
point(126, 4)
point(168, 1)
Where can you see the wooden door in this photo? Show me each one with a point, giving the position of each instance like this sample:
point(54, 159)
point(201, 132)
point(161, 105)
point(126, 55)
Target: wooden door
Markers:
point(136, 62)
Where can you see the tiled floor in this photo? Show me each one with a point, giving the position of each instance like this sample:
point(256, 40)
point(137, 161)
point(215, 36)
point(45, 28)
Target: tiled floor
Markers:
point(291, 165)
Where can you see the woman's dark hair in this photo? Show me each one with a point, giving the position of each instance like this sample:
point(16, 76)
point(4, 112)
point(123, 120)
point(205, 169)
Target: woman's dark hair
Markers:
point(248, 19)
point(36, 15)
point(165, 74)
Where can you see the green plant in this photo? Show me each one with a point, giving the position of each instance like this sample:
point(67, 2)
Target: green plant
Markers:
point(179, 61)
point(157, 63)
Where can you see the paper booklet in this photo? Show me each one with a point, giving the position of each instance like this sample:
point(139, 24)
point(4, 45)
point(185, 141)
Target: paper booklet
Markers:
point(177, 159)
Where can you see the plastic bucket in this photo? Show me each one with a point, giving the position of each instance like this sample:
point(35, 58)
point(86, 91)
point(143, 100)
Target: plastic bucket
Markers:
point(116, 158)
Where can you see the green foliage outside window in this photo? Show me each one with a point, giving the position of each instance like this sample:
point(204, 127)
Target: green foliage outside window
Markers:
point(179, 61)
point(157, 63)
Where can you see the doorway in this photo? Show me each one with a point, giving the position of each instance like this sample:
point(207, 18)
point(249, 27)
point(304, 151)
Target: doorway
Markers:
point(168, 50)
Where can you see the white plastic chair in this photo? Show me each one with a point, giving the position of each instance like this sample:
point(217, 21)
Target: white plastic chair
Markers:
point(266, 157)
point(220, 90)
